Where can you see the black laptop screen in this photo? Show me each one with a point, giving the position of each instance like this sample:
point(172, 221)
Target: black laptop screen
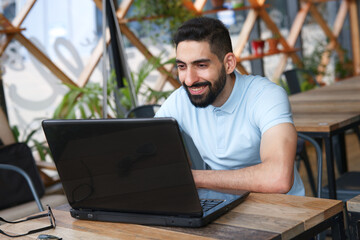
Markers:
point(127, 165)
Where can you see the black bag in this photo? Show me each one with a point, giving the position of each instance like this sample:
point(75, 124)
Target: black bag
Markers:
point(14, 189)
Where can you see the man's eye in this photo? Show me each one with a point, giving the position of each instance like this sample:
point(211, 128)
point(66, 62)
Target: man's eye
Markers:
point(202, 65)
point(181, 66)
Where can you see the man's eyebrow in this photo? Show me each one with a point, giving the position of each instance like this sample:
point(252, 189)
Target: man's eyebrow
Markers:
point(178, 61)
point(202, 60)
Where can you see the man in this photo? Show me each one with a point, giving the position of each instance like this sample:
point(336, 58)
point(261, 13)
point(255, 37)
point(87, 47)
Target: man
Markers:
point(241, 125)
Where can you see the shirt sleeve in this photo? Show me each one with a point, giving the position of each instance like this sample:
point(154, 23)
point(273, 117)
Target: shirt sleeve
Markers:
point(271, 108)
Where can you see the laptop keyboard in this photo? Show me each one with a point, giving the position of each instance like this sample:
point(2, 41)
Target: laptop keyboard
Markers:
point(208, 204)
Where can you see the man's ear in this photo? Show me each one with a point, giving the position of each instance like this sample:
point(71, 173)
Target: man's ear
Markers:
point(230, 62)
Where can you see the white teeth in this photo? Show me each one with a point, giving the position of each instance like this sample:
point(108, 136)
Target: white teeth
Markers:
point(196, 89)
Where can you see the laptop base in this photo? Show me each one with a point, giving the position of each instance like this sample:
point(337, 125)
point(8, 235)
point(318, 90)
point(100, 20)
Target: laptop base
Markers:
point(163, 220)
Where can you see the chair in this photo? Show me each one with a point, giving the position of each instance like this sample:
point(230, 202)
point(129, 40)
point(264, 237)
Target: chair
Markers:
point(347, 184)
point(28, 208)
point(298, 78)
point(303, 137)
point(144, 111)
point(301, 155)
point(28, 180)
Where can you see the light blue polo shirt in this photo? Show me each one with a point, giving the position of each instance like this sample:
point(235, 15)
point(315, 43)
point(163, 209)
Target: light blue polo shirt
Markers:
point(228, 137)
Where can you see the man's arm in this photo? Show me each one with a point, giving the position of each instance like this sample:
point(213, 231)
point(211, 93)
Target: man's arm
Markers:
point(275, 174)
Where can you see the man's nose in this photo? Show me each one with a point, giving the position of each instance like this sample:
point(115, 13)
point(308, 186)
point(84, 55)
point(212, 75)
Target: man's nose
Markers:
point(190, 77)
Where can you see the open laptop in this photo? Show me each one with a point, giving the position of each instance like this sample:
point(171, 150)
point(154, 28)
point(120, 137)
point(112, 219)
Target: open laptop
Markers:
point(133, 171)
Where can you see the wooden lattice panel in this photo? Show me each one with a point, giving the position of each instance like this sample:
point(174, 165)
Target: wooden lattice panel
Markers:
point(256, 10)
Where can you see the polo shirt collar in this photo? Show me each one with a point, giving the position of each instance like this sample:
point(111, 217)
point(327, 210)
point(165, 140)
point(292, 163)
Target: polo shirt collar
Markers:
point(232, 102)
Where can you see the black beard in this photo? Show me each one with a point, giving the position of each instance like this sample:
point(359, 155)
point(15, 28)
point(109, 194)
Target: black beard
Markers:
point(203, 101)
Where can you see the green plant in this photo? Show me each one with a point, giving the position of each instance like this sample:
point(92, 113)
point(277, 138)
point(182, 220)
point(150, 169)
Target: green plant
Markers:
point(281, 82)
point(305, 79)
point(83, 102)
point(312, 61)
point(164, 16)
point(40, 147)
point(142, 89)
point(87, 102)
point(307, 84)
point(344, 69)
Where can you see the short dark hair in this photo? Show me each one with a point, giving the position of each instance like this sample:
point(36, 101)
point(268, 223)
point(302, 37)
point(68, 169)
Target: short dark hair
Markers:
point(206, 29)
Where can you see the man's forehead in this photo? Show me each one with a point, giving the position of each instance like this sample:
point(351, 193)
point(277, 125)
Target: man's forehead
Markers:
point(193, 51)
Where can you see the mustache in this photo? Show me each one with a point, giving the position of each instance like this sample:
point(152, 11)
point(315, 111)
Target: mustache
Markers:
point(201, 84)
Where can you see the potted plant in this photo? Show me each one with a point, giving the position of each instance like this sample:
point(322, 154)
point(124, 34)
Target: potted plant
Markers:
point(273, 43)
point(258, 46)
point(217, 4)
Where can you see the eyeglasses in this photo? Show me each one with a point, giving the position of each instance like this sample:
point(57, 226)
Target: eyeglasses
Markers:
point(48, 214)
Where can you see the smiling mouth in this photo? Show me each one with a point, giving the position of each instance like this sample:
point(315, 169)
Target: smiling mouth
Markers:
point(198, 89)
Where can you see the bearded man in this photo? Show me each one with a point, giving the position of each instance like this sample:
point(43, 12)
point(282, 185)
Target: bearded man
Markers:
point(241, 124)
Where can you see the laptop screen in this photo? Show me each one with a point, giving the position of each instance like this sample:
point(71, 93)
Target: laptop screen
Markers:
point(127, 165)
